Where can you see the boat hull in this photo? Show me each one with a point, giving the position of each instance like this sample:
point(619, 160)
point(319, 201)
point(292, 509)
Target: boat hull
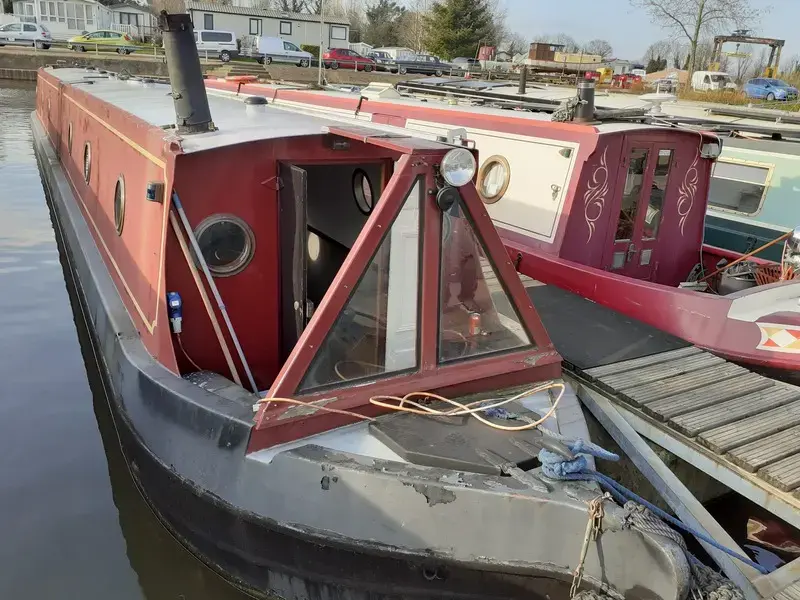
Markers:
point(186, 449)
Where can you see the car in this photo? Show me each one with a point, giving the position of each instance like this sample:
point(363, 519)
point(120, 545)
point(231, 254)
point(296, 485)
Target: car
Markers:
point(26, 34)
point(266, 50)
point(122, 43)
point(769, 89)
point(383, 60)
point(347, 59)
point(467, 64)
point(425, 64)
point(219, 44)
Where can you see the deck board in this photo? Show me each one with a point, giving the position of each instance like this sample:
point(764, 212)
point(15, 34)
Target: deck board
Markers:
point(718, 384)
point(734, 410)
point(784, 474)
point(645, 361)
point(765, 451)
point(659, 372)
point(790, 593)
point(731, 436)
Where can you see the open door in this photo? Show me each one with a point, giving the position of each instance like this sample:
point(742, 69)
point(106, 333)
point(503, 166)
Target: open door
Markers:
point(643, 189)
point(293, 260)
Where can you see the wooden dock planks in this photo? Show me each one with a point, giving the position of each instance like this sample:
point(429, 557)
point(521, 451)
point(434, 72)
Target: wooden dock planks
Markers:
point(747, 420)
point(730, 411)
point(764, 451)
point(684, 401)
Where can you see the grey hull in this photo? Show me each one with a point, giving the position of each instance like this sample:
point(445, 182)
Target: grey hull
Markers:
point(310, 522)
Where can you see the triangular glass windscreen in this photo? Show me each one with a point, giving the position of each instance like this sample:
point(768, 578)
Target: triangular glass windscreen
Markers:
point(476, 315)
point(376, 332)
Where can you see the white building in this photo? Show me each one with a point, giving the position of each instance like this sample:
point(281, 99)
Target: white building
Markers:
point(298, 28)
point(133, 18)
point(64, 18)
point(395, 51)
point(361, 47)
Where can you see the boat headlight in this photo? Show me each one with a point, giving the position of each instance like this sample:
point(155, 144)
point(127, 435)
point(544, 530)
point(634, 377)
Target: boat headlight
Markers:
point(458, 167)
point(711, 150)
point(793, 241)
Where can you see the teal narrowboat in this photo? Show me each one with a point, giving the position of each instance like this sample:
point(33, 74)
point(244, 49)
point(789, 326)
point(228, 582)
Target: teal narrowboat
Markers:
point(754, 196)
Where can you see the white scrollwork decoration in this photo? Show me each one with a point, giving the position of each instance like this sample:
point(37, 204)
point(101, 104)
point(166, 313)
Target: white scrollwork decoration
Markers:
point(594, 199)
point(687, 192)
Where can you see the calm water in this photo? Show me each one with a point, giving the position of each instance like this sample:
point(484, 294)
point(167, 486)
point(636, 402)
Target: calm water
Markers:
point(72, 525)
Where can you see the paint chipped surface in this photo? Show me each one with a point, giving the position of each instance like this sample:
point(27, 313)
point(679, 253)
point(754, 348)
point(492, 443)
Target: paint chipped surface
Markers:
point(434, 494)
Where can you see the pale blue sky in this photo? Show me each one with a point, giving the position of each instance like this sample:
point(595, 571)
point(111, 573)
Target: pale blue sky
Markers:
point(628, 29)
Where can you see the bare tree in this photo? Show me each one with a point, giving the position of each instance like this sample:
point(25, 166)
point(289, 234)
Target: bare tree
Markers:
point(294, 6)
point(599, 47)
point(693, 19)
point(516, 43)
point(657, 50)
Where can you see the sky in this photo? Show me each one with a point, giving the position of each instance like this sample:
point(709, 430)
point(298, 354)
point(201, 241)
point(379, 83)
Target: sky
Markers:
point(629, 29)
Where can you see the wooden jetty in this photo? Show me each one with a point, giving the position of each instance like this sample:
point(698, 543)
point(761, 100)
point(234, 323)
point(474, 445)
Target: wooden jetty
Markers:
point(738, 427)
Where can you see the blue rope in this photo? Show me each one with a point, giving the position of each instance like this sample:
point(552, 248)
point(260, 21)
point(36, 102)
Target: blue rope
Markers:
point(555, 466)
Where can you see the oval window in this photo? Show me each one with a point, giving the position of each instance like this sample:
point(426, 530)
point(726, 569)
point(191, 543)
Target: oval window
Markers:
point(87, 162)
point(227, 244)
point(493, 179)
point(119, 205)
point(69, 139)
point(362, 191)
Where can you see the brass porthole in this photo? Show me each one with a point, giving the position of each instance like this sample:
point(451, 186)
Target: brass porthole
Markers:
point(119, 205)
point(227, 244)
point(493, 178)
point(87, 161)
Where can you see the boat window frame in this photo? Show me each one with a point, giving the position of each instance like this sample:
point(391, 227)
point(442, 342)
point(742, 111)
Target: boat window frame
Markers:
point(748, 163)
point(119, 215)
point(483, 172)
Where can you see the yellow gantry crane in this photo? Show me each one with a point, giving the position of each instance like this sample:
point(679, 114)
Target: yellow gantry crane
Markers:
point(740, 37)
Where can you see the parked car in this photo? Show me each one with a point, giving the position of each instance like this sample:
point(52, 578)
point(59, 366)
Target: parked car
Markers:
point(215, 43)
point(383, 60)
point(704, 81)
point(467, 64)
point(120, 42)
point(424, 64)
point(25, 34)
point(347, 59)
point(770, 89)
point(266, 50)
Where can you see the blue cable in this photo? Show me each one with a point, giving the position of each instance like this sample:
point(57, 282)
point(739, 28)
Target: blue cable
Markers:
point(555, 467)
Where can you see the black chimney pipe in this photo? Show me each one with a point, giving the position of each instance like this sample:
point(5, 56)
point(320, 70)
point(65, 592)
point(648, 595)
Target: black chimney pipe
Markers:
point(523, 79)
point(584, 112)
point(185, 75)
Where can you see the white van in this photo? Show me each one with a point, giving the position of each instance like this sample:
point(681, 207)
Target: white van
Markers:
point(703, 81)
point(219, 44)
point(267, 49)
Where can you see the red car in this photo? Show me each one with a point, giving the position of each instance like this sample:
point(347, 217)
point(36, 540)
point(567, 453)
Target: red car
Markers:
point(347, 59)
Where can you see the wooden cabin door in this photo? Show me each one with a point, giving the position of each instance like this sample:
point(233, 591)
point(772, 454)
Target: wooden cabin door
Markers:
point(643, 183)
point(293, 254)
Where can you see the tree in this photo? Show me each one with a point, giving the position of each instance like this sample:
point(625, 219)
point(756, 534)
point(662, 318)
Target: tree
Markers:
point(693, 19)
point(516, 44)
point(294, 6)
point(600, 47)
point(457, 27)
point(381, 25)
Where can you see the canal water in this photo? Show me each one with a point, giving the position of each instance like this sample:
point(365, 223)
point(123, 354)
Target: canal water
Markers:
point(72, 524)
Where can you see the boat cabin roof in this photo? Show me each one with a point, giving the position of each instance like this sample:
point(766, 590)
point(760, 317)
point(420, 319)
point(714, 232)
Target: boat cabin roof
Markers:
point(151, 101)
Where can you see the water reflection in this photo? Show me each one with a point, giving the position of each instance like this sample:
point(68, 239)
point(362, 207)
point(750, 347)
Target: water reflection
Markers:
point(72, 524)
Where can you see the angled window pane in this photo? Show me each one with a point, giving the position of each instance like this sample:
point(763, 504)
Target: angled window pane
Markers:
point(476, 315)
point(376, 333)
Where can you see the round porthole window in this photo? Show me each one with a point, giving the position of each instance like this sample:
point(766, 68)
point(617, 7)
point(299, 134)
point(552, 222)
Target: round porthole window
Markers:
point(362, 191)
point(119, 205)
point(493, 179)
point(69, 138)
point(313, 246)
point(87, 161)
point(227, 244)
